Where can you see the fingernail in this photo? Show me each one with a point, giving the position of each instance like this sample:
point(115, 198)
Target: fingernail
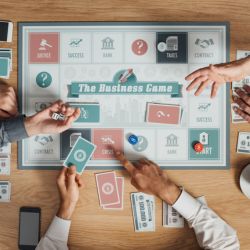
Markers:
point(235, 108)
point(118, 152)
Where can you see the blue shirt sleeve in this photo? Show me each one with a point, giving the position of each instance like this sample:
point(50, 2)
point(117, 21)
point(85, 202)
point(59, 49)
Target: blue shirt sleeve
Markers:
point(12, 130)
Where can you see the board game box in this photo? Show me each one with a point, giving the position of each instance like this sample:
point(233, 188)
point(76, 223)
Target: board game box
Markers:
point(127, 78)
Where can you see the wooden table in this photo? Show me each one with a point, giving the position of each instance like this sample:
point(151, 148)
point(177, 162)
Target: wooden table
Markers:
point(92, 227)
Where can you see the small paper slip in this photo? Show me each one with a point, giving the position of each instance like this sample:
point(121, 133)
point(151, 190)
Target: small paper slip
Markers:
point(143, 209)
point(243, 145)
point(5, 150)
point(80, 154)
point(235, 117)
point(5, 165)
point(5, 191)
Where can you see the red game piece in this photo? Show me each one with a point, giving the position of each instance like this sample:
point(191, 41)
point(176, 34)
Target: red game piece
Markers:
point(198, 147)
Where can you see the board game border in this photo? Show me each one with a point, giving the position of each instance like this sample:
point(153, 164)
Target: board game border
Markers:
point(20, 27)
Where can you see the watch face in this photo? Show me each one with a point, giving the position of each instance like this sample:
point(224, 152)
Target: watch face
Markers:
point(3, 31)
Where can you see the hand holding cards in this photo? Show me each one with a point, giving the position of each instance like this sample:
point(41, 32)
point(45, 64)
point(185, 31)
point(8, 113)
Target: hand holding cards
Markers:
point(80, 154)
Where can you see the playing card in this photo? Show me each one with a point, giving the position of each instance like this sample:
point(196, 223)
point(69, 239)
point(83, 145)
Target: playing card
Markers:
point(7, 53)
point(163, 113)
point(80, 154)
point(4, 67)
point(5, 150)
point(5, 190)
point(143, 208)
point(107, 188)
point(5, 165)
point(90, 112)
point(120, 186)
point(243, 145)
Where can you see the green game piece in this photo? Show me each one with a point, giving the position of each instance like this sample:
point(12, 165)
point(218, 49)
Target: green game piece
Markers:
point(43, 79)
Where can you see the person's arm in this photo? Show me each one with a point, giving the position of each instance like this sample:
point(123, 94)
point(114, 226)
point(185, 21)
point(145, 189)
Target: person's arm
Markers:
point(56, 237)
point(12, 129)
point(216, 75)
point(17, 128)
point(211, 231)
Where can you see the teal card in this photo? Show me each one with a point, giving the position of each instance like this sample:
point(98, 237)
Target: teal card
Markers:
point(90, 112)
point(80, 154)
point(7, 54)
point(4, 66)
point(210, 145)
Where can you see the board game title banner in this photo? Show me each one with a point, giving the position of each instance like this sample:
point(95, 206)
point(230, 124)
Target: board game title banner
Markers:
point(124, 82)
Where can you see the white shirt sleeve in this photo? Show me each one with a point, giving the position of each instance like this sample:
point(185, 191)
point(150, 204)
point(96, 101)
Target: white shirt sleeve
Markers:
point(56, 237)
point(211, 231)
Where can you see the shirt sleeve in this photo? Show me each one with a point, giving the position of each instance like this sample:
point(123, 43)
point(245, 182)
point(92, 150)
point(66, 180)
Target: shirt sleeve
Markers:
point(12, 130)
point(56, 237)
point(211, 231)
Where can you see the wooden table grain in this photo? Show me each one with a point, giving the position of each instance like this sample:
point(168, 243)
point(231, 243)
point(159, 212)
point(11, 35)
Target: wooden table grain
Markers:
point(92, 227)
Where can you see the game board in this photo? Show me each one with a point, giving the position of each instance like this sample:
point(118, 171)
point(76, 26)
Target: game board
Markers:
point(127, 78)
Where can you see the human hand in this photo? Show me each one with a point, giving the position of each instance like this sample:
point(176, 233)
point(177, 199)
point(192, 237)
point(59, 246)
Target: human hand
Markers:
point(216, 75)
point(8, 101)
point(42, 123)
point(244, 102)
point(68, 183)
point(147, 177)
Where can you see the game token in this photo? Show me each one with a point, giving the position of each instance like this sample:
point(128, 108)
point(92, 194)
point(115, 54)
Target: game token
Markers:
point(198, 147)
point(55, 116)
point(133, 139)
point(61, 117)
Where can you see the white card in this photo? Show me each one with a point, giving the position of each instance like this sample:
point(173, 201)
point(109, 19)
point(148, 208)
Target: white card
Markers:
point(5, 150)
point(143, 208)
point(243, 145)
point(5, 165)
point(235, 117)
point(5, 190)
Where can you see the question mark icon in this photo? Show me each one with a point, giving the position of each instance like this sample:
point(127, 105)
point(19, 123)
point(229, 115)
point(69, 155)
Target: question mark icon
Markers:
point(139, 47)
point(43, 79)
point(142, 144)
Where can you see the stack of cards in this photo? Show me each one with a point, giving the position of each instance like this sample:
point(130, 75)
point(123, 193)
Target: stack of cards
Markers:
point(163, 113)
point(236, 118)
point(243, 145)
point(5, 63)
point(80, 154)
point(5, 159)
point(171, 218)
point(143, 208)
point(110, 190)
point(5, 190)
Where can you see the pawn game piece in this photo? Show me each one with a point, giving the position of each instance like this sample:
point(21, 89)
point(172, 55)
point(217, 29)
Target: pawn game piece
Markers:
point(133, 139)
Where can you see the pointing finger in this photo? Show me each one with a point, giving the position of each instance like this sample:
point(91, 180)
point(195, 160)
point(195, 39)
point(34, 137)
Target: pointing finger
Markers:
point(124, 161)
